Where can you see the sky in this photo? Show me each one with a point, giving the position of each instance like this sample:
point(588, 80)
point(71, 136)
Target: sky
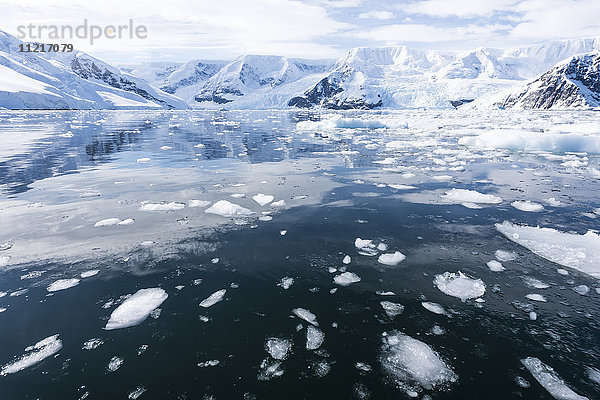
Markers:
point(181, 30)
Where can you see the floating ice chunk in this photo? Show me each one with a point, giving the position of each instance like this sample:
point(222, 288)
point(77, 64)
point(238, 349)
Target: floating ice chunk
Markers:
point(562, 271)
point(4, 260)
point(215, 260)
point(347, 259)
point(536, 297)
point(237, 195)
point(364, 367)
point(172, 206)
point(470, 196)
point(282, 232)
point(136, 393)
point(413, 365)
point(503, 255)
point(114, 364)
point(346, 279)
point(581, 252)
point(401, 187)
point(582, 289)
point(90, 273)
point(550, 380)
point(136, 308)
point(213, 299)
point(166, 147)
point(263, 199)
point(314, 338)
point(391, 258)
point(127, 221)
point(593, 374)
point(527, 205)
point(382, 247)
point(107, 222)
point(278, 348)
point(306, 315)
point(143, 160)
point(553, 202)
point(433, 307)
point(226, 209)
point(534, 283)
point(198, 203)
point(532, 315)
point(437, 330)
point(286, 282)
point(92, 344)
point(362, 243)
point(88, 194)
point(33, 355)
point(459, 285)
point(472, 206)
point(392, 309)
point(62, 284)
point(495, 266)
point(269, 369)
point(280, 203)
point(209, 363)
point(382, 293)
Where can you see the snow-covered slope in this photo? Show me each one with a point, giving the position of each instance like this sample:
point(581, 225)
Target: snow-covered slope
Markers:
point(260, 81)
point(71, 80)
point(153, 72)
point(574, 83)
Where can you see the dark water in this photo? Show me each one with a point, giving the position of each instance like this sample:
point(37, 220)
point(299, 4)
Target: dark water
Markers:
point(48, 227)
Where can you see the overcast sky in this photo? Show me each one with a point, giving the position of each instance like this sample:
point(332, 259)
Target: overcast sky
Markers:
point(180, 30)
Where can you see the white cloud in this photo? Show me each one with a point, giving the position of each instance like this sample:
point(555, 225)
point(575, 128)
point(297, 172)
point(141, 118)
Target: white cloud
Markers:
point(460, 8)
point(381, 15)
point(402, 33)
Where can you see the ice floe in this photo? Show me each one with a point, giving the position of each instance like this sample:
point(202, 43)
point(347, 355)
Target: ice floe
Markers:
point(90, 273)
point(528, 206)
point(581, 289)
point(107, 222)
point(470, 196)
point(286, 282)
point(33, 355)
point(413, 365)
point(346, 279)
point(391, 258)
point(503, 255)
point(534, 283)
point(362, 243)
point(172, 206)
point(306, 315)
point(550, 380)
point(536, 297)
point(208, 363)
point(137, 392)
point(459, 285)
point(198, 203)
point(114, 364)
point(213, 299)
point(263, 199)
point(392, 309)
point(225, 208)
point(278, 348)
point(347, 259)
point(495, 266)
point(581, 252)
point(136, 308)
point(62, 284)
point(433, 307)
point(314, 338)
point(92, 344)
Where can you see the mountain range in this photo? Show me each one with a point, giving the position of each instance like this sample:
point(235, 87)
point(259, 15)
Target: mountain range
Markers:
point(553, 75)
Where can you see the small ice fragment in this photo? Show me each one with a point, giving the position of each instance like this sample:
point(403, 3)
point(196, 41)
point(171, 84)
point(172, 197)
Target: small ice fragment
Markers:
point(534, 283)
point(401, 186)
point(470, 196)
point(362, 243)
point(269, 369)
point(392, 309)
point(226, 209)
point(306, 315)
point(347, 259)
point(92, 344)
point(136, 308)
point(136, 393)
point(63, 284)
point(346, 279)
point(33, 355)
point(88, 194)
point(382, 247)
point(282, 232)
point(263, 199)
point(532, 315)
point(433, 307)
point(280, 203)
point(237, 195)
point(527, 206)
point(107, 222)
point(391, 258)
point(314, 338)
point(437, 330)
point(215, 260)
point(495, 266)
point(166, 147)
point(382, 293)
point(536, 297)
point(278, 348)
point(582, 289)
point(503, 255)
point(562, 271)
point(550, 380)
point(198, 203)
point(286, 282)
point(209, 363)
point(114, 364)
point(172, 206)
point(143, 160)
point(213, 298)
point(364, 367)
point(459, 285)
point(553, 202)
point(127, 221)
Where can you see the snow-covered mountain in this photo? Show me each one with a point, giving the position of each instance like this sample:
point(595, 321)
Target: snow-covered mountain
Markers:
point(260, 81)
point(574, 83)
point(71, 80)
